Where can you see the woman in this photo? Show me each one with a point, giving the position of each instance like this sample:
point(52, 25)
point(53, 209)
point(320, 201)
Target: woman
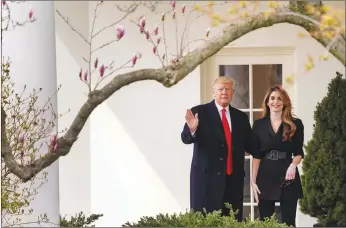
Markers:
point(278, 149)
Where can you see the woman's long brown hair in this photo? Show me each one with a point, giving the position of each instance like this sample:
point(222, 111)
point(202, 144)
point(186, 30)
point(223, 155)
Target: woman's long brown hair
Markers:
point(287, 118)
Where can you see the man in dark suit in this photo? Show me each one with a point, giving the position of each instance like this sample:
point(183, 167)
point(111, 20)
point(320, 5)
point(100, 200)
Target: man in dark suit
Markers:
point(221, 134)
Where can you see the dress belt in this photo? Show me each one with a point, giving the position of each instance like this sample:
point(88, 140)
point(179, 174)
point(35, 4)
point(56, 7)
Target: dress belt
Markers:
point(275, 155)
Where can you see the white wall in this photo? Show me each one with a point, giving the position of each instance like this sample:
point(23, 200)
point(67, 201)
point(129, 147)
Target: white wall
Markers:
point(139, 166)
point(131, 147)
point(75, 167)
point(32, 52)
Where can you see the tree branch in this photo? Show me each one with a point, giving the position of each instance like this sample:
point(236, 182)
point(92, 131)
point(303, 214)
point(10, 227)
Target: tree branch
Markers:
point(75, 30)
point(168, 76)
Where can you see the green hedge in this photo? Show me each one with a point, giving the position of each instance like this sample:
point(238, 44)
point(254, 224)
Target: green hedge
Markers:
point(187, 219)
point(197, 219)
point(79, 220)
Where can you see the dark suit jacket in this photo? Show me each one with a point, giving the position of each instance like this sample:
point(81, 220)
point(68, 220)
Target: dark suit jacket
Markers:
point(208, 167)
point(271, 173)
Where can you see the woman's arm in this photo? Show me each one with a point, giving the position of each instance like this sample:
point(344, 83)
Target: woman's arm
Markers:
point(298, 153)
point(297, 159)
point(299, 143)
point(256, 155)
point(255, 161)
point(255, 164)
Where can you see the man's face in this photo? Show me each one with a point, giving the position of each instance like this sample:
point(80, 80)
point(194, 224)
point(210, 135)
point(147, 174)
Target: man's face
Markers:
point(223, 93)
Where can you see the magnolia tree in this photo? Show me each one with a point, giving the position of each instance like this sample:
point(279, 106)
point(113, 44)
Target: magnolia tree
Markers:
point(322, 24)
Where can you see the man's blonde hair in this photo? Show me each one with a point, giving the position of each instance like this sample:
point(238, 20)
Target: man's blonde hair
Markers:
point(225, 80)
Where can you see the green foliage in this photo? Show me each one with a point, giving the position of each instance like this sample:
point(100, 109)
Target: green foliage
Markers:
point(303, 7)
point(79, 220)
point(324, 166)
point(197, 219)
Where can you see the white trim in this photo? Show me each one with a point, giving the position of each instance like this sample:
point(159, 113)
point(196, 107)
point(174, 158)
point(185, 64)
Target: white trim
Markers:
point(250, 55)
point(255, 51)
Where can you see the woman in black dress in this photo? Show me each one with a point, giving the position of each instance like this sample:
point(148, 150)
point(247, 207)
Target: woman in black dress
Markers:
point(278, 149)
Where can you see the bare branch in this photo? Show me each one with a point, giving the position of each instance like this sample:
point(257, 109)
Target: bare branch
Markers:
point(132, 8)
point(73, 29)
point(104, 45)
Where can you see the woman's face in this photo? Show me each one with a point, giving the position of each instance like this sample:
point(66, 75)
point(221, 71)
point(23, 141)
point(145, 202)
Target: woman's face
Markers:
point(275, 103)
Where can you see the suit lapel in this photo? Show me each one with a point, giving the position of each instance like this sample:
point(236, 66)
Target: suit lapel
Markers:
point(216, 121)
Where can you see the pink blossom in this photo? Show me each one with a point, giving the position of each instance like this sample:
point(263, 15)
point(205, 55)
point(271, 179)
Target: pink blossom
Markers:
point(96, 62)
point(173, 4)
point(147, 36)
point(86, 76)
point(183, 8)
point(134, 59)
point(141, 29)
point(120, 31)
point(158, 40)
point(3, 2)
point(55, 147)
point(142, 21)
point(154, 49)
point(156, 30)
point(31, 13)
point(102, 70)
point(80, 73)
point(53, 139)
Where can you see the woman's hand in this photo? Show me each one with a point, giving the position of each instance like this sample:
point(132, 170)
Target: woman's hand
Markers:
point(255, 190)
point(291, 172)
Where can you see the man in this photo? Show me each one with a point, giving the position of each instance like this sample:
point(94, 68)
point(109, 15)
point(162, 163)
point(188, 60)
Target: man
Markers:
point(221, 134)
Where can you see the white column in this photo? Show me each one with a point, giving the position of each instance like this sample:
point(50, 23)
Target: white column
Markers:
point(32, 52)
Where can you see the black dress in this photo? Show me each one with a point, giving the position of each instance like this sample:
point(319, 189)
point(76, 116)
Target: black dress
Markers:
point(272, 170)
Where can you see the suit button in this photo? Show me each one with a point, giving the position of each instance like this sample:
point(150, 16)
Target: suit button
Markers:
point(222, 145)
point(221, 159)
point(218, 173)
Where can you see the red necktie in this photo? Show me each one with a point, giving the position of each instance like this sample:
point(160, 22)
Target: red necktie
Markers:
point(228, 135)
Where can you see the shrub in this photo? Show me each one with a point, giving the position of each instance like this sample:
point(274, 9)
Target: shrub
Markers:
point(79, 220)
point(23, 127)
point(197, 219)
point(324, 166)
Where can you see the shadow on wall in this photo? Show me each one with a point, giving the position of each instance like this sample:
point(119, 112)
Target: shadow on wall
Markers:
point(154, 121)
point(77, 13)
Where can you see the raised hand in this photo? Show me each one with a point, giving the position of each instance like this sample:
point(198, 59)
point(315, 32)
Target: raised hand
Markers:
point(191, 120)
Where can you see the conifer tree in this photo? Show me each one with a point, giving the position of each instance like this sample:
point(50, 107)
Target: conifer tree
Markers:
point(324, 166)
